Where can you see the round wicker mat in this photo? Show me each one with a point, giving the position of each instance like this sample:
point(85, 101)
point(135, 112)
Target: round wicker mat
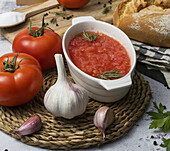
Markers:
point(79, 132)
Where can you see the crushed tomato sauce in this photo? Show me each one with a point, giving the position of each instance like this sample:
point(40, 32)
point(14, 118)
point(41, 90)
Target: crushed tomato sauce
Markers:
point(101, 55)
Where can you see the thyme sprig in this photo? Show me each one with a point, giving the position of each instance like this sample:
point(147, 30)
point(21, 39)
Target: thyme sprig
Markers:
point(107, 10)
point(59, 14)
point(90, 37)
point(110, 74)
point(54, 19)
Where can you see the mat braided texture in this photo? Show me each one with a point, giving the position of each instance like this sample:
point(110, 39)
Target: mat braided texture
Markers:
point(79, 132)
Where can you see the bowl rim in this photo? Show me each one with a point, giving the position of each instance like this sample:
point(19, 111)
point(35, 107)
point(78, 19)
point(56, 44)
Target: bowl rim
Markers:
point(85, 74)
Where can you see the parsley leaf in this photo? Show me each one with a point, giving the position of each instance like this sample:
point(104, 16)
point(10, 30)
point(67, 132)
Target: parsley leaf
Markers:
point(166, 143)
point(160, 109)
point(160, 119)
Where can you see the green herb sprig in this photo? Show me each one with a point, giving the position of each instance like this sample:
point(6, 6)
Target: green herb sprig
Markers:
point(110, 74)
point(59, 14)
point(107, 10)
point(166, 144)
point(54, 19)
point(90, 37)
point(160, 119)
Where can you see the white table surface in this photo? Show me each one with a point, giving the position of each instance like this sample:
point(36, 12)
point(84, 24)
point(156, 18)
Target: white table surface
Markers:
point(137, 139)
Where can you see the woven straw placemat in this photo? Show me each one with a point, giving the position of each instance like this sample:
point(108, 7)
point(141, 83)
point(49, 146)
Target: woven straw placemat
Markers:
point(79, 132)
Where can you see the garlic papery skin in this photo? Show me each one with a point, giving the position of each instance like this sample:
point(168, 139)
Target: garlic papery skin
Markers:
point(65, 99)
point(30, 126)
point(103, 117)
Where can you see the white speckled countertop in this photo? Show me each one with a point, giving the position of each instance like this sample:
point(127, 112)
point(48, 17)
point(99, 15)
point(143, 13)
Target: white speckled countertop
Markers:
point(139, 138)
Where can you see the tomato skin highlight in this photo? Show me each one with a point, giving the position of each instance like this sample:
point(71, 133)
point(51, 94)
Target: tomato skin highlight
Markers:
point(73, 3)
point(43, 48)
point(22, 85)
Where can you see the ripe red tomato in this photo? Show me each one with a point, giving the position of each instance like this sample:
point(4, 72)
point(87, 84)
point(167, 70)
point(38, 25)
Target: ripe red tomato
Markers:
point(21, 80)
point(73, 3)
point(42, 47)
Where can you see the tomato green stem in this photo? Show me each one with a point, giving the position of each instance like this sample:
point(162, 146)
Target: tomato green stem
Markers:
point(39, 32)
point(11, 66)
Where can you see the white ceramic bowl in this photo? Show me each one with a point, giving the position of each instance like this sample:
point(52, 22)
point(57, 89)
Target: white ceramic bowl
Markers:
point(99, 89)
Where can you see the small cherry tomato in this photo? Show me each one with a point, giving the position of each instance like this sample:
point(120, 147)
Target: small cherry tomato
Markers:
point(20, 78)
point(73, 3)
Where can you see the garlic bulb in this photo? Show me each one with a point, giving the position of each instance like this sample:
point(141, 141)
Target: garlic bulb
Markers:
point(65, 99)
point(103, 117)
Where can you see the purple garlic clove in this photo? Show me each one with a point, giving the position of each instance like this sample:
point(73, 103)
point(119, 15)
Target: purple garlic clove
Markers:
point(103, 117)
point(30, 126)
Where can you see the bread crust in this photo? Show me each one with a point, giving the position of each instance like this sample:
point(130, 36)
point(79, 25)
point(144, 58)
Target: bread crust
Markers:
point(147, 21)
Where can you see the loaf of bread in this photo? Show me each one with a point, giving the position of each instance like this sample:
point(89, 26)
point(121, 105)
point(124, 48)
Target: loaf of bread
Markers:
point(147, 21)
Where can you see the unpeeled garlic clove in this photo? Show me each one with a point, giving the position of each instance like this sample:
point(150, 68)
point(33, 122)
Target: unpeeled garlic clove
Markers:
point(30, 126)
point(103, 117)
